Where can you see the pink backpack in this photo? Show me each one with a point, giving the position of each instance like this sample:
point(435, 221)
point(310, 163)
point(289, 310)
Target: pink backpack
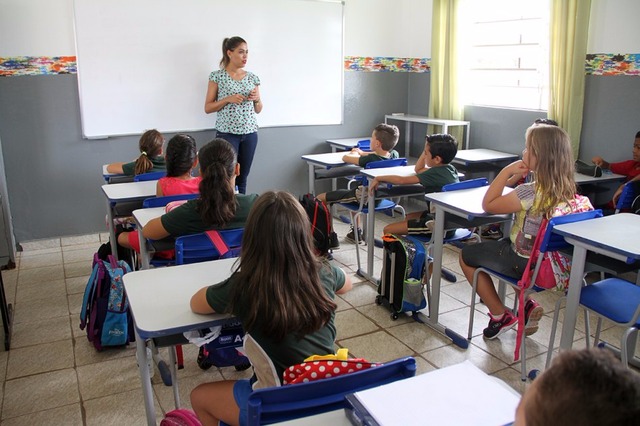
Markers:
point(180, 417)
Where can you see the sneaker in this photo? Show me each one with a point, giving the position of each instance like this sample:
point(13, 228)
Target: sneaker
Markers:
point(334, 244)
point(352, 238)
point(532, 314)
point(492, 232)
point(498, 326)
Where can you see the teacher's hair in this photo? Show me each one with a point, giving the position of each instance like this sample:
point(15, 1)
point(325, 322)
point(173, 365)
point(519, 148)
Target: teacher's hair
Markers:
point(217, 202)
point(229, 43)
point(150, 146)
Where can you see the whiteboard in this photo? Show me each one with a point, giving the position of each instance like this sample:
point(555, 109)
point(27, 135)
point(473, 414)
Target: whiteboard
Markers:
point(145, 64)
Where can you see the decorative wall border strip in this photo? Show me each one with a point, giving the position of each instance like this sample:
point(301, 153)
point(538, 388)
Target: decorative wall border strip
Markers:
point(385, 64)
point(613, 64)
point(37, 65)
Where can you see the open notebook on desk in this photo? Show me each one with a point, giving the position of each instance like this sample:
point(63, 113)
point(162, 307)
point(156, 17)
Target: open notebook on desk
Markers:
point(461, 394)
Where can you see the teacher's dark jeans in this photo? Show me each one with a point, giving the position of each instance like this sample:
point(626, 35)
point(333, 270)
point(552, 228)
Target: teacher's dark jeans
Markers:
point(245, 146)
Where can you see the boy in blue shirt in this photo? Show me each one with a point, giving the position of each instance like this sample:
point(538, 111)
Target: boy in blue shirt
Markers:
point(433, 171)
point(383, 139)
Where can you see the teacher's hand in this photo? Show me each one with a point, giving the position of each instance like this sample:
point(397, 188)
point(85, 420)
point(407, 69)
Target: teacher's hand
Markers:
point(235, 99)
point(254, 95)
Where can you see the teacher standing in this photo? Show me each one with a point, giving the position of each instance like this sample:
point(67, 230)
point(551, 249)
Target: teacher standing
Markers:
point(235, 95)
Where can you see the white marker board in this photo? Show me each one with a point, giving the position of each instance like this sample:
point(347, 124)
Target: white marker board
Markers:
point(145, 64)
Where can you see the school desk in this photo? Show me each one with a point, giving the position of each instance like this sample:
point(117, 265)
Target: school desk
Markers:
point(114, 177)
point(444, 124)
point(121, 192)
point(142, 217)
point(464, 207)
point(328, 166)
point(160, 306)
point(345, 144)
point(483, 160)
point(615, 236)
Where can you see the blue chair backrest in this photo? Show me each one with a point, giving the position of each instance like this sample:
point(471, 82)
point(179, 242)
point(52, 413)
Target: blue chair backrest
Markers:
point(199, 248)
point(277, 404)
point(465, 184)
point(626, 197)
point(149, 176)
point(392, 162)
point(166, 199)
point(364, 144)
point(554, 242)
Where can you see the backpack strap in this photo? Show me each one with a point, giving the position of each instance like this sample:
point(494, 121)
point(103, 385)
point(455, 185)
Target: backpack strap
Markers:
point(217, 242)
point(96, 273)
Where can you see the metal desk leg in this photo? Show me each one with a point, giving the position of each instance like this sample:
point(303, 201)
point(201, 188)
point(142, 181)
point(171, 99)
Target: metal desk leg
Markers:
point(407, 139)
point(7, 316)
point(467, 132)
point(145, 378)
point(573, 296)
point(312, 179)
point(112, 231)
point(144, 253)
point(434, 306)
point(174, 376)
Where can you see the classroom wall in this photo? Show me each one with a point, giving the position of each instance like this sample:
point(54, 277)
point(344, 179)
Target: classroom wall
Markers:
point(53, 175)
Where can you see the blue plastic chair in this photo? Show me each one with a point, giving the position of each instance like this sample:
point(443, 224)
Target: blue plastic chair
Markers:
point(626, 197)
point(166, 199)
point(199, 248)
point(278, 404)
point(550, 242)
point(149, 176)
point(364, 144)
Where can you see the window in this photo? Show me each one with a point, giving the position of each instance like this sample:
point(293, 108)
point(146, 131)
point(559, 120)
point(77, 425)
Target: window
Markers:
point(504, 50)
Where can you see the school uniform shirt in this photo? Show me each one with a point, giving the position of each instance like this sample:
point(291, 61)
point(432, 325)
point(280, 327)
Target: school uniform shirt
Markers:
point(629, 168)
point(434, 178)
point(291, 350)
point(366, 159)
point(129, 169)
point(175, 186)
point(238, 119)
point(185, 220)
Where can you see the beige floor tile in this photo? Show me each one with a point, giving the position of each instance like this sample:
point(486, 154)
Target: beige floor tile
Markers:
point(77, 269)
point(40, 392)
point(381, 315)
point(80, 239)
point(423, 366)
point(76, 284)
point(418, 337)
point(108, 377)
point(448, 303)
point(40, 244)
point(164, 394)
point(75, 303)
point(42, 331)
point(351, 323)
point(39, 291)
point(69, 415)
point(38, 252)
point(126, 408)
point(342, 304)
point(362, 293)
point(10, 277)
point(504, 346)
point(40, 261)
point(104, 237)
point(85, 353)
point(40, 358)
point(458, 321)
point(4, 358)
point(80, 255)
point(376, 347)
point(511, 377)
point(451, 354)
point(41, 309)
point(39, 275)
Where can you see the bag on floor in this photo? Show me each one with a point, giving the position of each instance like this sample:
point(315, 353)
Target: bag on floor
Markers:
point(180, 417)
point(222, 352)
point(320, 219)
point(105, 309)
point(402, 271)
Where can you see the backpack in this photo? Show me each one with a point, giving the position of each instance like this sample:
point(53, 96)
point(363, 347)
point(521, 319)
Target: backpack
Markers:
point(222, 352)
point(180, 417)
point(105, 309)
point(318, 367)
point(320, 219)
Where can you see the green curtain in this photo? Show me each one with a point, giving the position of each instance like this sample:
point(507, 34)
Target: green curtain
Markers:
point(444, 100)
point(569, 28)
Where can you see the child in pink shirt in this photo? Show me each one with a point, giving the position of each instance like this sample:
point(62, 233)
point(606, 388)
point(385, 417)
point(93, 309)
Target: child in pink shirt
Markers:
point(181, 157)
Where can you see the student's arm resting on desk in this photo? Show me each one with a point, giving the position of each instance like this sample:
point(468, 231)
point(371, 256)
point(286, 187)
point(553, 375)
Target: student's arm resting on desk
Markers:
point(199, 303)
point(155, 230)
point(351, 158)
point(115, 168)
point(600, 162)
point(494, 201)
point(393, 179)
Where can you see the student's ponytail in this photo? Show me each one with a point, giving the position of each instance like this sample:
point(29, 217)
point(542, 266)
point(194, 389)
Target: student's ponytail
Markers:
point(217, 204)
point(150, 146)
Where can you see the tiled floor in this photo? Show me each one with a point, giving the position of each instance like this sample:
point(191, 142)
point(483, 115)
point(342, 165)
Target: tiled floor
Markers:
point(52, 375)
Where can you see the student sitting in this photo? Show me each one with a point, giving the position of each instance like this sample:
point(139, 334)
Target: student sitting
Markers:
point(383, 139)
point(587, 387)
point(150, 160)
point(217, 208)
point(281, 292)
point(181, 157)
point(433, 171)
point(629, 168)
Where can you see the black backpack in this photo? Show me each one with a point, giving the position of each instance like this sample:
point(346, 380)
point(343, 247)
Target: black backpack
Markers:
point(320, 219)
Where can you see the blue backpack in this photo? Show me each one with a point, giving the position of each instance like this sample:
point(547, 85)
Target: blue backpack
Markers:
point(105, 309)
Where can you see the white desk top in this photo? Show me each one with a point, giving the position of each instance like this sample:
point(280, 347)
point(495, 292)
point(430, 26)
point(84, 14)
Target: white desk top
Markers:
point(482, 155)
point(160, 298)
point(328, 159)
point(398, 171)
point(143, 216)
point(460, 394)
point(425, 120)
point(347, 143)
point(606, 177)
point(130, 190)
point(617, 234)
point(466, 202)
